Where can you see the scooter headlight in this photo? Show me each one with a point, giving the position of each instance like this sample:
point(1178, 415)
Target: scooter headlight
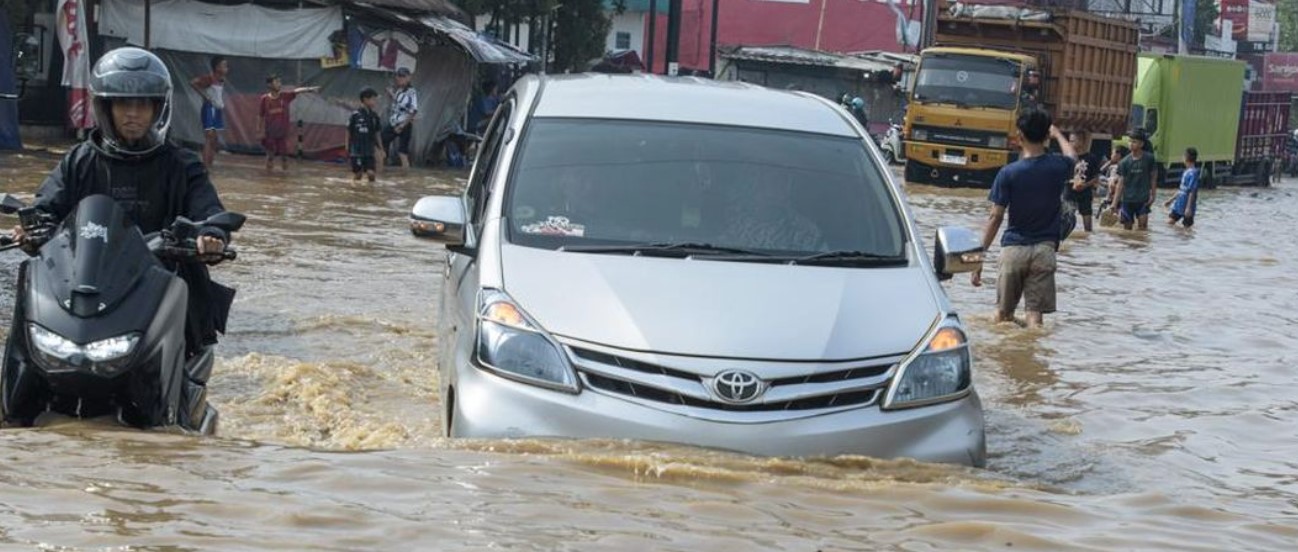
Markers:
point(105, 357)
point(53, 344)
point(511, 345)
point(112, 348)
point(940, 373)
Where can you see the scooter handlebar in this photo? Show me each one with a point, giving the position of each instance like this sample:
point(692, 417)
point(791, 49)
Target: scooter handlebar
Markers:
point(192, 254)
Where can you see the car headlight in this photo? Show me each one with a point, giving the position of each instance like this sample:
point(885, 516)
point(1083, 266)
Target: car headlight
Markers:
point(105, 357)
point(940, 373)
point(510, 344)
point(998, 142)
point(919, 134)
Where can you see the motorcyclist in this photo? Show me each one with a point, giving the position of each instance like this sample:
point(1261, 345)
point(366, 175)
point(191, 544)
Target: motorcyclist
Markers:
point(128, 157)
point(860, 112)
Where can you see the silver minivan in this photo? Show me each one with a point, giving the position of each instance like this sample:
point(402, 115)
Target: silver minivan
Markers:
point(690, 261)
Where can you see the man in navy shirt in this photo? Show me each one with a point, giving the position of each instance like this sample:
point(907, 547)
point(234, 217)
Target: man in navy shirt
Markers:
point(1031, 190)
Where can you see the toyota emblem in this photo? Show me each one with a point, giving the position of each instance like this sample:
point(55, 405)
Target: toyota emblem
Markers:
point(737, 386)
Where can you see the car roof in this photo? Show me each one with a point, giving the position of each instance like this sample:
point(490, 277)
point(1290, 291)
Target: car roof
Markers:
point(686, 100)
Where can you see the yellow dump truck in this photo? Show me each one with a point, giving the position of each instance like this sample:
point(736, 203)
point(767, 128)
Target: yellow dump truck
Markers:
point(989, 63)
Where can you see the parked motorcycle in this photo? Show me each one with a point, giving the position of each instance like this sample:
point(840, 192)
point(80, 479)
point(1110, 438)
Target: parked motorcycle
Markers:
point(894, 149)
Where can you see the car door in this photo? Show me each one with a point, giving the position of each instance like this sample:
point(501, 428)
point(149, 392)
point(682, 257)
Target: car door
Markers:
point(460, 292)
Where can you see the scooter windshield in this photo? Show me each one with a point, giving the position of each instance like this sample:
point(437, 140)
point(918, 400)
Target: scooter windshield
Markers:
point(96, 257)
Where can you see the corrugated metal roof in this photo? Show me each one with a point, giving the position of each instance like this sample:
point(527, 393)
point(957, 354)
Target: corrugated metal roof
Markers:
point(801, 56)
point(483, 48)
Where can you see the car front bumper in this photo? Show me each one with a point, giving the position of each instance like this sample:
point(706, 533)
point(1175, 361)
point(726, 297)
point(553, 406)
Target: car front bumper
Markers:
point(491, 407)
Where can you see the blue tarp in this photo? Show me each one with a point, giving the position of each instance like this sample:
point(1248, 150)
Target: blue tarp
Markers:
point(8, 108)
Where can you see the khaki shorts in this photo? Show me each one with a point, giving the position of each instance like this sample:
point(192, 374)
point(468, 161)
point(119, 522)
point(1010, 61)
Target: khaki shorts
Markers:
point(1027, 271)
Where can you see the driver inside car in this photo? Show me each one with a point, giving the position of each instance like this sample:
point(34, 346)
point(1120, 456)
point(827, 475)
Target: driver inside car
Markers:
point(128, 158)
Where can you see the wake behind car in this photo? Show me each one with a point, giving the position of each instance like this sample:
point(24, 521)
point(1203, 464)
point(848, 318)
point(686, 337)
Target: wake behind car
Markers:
point(690, 261)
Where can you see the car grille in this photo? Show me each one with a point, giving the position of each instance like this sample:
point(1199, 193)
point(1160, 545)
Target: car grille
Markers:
point(957, 136)
point(856, 386)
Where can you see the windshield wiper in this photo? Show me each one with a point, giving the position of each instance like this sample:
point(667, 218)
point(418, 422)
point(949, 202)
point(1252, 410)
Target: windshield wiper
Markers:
point(683, 249)
point(843, 258)
point(849, 258)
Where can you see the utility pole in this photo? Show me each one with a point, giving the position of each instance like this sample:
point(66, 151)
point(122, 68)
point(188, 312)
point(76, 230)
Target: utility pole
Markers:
point(673, 36)
point(712, 52)
point(928, 31)
point(148, 24)
point(653, 34)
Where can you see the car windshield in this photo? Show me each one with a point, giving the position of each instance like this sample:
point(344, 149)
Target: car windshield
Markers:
point(967, 81)
point(584, 183)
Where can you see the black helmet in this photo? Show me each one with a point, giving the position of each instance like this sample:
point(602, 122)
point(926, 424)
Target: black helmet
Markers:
point(131, 73)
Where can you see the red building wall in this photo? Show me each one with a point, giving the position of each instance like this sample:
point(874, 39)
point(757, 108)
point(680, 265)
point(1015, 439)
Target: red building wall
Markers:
point(829, 25)
point(846, 26)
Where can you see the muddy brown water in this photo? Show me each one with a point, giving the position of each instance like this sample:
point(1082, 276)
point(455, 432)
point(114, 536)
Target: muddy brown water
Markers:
point(1156, 411)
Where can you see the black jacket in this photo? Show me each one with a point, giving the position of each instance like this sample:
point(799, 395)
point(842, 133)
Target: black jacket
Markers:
point(154, 189)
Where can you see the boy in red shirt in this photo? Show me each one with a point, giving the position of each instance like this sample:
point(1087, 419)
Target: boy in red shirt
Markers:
point(273, 125)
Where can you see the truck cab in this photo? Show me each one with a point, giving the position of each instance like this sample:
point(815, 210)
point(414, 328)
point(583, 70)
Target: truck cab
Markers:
point(960, 123)
point(989, 63)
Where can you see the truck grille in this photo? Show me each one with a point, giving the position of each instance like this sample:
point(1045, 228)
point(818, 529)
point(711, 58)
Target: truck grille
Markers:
point(860, 385)
point(956, 136)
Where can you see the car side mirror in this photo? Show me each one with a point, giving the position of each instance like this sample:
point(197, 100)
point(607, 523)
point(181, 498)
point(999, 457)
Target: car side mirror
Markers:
point(440, 219)
point(226, 221)
point(957, 250)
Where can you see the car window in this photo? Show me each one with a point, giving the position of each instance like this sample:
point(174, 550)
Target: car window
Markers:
point(1137, 116)
point(484, 168)
point(581, 182)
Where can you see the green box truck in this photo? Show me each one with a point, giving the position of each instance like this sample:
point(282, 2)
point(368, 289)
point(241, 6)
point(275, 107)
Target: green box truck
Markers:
point(1200, 102)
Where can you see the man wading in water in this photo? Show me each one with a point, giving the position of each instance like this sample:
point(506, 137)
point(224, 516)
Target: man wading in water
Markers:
point(1031, 189)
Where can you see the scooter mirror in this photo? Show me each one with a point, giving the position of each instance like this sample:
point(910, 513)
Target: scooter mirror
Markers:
point(227, 221)
point(10, 204)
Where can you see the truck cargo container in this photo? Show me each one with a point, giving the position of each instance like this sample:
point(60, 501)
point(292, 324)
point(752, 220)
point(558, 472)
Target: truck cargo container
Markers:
point(1200, 102)
point(991, 62)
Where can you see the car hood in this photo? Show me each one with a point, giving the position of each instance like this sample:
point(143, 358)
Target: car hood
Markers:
point(722, 309)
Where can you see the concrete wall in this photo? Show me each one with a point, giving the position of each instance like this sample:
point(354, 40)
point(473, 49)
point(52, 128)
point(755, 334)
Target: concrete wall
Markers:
point(632, 23)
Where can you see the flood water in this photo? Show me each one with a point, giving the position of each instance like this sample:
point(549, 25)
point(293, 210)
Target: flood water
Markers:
point(1156, 411)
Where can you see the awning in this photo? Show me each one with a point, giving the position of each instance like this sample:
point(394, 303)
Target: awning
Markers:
point(244, 30)
point(483, 48)
point(792, 55)
point(480, 47)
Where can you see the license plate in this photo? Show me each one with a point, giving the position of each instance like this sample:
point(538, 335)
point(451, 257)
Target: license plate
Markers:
point(953, 159)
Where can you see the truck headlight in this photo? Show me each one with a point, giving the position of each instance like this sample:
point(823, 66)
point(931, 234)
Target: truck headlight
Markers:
point(919, 134)
point(512, 345)
point(998, 142)
point(106, 357)
point(940, 373)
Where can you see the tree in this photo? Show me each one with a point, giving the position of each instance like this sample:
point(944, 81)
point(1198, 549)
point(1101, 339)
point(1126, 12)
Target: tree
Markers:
point(19, 11)
point(1205, 18)
point(1286, 12)
point(580, 34)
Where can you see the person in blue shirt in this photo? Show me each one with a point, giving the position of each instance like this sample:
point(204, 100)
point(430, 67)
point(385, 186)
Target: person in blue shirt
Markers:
point(1186, 201)
point(1031, 191)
